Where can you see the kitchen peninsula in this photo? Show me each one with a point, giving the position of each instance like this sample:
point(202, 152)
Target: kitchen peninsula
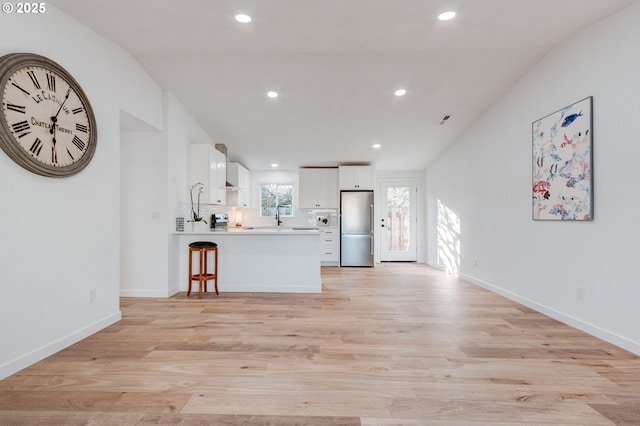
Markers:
point(271, 259)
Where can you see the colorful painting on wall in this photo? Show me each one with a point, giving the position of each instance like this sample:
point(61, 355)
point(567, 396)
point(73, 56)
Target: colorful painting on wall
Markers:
point(562, 164)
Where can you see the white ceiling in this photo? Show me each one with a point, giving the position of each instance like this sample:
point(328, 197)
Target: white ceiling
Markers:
point(336, 64)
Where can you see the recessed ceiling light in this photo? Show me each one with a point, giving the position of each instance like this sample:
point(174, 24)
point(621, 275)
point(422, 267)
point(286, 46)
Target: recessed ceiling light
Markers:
point(400, 92)
point(272, 94)
point(376, 146)
point(445, 16)
point(241, 17)
point(274, 165)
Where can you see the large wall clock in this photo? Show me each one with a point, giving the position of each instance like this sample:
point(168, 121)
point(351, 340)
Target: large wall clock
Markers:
point(47, 125)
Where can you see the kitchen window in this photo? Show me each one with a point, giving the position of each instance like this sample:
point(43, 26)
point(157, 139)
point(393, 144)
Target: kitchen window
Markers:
point(274, 196)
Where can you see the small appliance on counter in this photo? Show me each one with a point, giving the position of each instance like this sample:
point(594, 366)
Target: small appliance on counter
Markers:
point(219, 221)
point(324, 220)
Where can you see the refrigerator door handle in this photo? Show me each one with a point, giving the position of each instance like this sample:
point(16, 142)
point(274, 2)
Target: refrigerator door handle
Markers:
point(371, 217)
point(371, 244)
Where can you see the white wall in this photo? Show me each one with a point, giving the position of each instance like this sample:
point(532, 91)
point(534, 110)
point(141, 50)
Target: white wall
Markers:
point(155, 190)
point(482, 186)
point(60, 237)
point(144, 214)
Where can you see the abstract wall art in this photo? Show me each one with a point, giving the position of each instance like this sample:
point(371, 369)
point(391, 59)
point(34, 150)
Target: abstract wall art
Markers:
point(562, 164)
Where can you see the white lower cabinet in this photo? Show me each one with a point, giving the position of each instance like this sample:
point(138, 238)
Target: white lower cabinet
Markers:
point(329, 247)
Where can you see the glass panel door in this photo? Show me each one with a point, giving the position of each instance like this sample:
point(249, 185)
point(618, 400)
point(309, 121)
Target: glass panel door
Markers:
point(398, 221)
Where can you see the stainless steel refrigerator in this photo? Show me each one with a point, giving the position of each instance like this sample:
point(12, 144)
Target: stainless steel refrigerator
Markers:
point(356, 228)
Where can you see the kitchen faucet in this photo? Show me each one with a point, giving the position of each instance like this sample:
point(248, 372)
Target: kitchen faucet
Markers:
point(278, 221)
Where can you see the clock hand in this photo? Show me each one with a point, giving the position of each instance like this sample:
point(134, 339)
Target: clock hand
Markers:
point(55, 117)
point(54, 120)
point(54, 155)
point(52, 130)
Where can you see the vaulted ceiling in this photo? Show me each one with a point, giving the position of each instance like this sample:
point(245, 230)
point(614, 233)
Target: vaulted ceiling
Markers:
point(335, 65)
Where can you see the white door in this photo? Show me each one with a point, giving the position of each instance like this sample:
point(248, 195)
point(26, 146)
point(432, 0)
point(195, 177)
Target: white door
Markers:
point(397, 222)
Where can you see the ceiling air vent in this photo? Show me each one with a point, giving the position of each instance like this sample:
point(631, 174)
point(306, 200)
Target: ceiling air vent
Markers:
point(444, 119)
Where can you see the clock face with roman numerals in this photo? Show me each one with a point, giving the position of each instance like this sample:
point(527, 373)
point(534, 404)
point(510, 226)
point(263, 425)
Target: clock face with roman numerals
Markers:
point(47, 125)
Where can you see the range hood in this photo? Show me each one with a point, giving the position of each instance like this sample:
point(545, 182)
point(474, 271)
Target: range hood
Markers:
point(223, 149)
point(231, 179)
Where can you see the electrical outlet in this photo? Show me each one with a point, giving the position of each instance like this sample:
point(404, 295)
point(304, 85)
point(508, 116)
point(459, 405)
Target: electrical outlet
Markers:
point(580, 293)
point(92, 295)
point(475, 262)
point(155, 215)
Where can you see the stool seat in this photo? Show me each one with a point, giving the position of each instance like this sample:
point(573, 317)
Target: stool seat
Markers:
point(203, 275)
point(202, 244)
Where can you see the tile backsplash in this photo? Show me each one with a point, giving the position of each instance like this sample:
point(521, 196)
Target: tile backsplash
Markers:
point(251, 217)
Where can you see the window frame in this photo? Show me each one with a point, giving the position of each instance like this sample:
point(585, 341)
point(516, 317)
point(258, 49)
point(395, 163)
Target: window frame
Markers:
point(260, 198)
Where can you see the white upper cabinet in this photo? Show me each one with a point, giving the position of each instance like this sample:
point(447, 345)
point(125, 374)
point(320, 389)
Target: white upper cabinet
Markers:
point(208, 166)
point(356, 177)
point(240, 177)
point(221, 177)
point(318, 188)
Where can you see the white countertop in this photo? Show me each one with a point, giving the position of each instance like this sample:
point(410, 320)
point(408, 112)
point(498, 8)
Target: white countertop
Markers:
point(268, 230)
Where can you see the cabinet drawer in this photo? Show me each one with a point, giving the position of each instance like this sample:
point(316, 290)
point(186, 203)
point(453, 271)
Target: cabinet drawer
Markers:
point(329, 240)
point(330, 245)
point(329, 233)
point(329, 255)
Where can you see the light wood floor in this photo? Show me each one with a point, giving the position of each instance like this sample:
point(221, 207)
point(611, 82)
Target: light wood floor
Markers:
point(399, 344)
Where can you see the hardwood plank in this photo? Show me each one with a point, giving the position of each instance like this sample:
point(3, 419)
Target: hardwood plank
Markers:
point(118, 419)
point(400, 344)
point(233, 419)
point(291, 403)
point(92, 401)
point(461, 409)
point(620, 414)
point(68, 418)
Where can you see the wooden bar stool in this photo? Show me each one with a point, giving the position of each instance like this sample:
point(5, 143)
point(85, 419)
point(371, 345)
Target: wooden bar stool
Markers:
point(203, 275)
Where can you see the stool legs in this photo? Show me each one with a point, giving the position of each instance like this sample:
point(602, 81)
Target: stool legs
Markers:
point(206, 268)
point(203, 254)
point(215, 271)
point(190, 270)
point(203, 275)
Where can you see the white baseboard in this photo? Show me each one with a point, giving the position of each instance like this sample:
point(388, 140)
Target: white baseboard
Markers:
point(253, 288)
point(591, 329)
point(15, 365)
point(260, 288)
point(145, 293)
